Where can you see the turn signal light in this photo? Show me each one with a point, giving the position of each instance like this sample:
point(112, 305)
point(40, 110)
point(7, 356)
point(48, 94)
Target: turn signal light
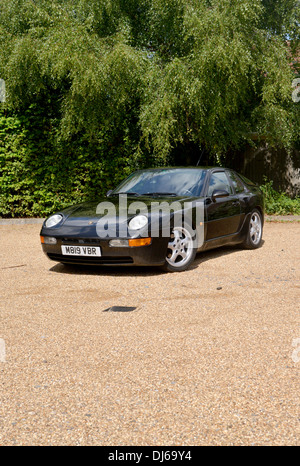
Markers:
point(133, 243)
point(48, 240)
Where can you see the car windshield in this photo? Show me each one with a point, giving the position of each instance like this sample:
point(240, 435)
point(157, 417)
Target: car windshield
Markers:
point(164, 182)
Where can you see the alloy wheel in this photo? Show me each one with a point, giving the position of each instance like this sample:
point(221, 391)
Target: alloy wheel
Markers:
point(180, 247)
point(255, 228)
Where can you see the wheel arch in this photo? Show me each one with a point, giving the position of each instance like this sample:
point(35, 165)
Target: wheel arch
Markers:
point(260, 210)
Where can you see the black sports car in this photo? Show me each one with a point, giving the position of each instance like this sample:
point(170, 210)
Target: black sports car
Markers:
point(159, 217)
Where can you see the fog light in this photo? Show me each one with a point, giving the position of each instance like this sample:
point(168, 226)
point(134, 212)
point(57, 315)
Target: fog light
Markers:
point(48, 240)
point(119, 243)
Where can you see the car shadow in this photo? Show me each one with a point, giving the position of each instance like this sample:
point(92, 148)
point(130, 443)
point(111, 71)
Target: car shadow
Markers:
point(215, 253)
point(113, 271)
point(144, 271)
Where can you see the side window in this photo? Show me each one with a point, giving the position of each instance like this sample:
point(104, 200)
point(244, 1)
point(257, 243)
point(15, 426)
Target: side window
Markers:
point(237, 184)
point(219, 180)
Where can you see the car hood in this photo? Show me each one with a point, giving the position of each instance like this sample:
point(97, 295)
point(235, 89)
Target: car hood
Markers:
point(87, 214)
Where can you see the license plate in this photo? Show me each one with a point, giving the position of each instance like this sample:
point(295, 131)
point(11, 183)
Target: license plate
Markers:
point(90, 251)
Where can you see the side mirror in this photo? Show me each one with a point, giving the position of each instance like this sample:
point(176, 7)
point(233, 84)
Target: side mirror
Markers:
point(109, 192)
point(219, 193)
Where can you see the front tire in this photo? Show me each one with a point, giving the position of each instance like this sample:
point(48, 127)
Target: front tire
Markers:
point(181, 251)
point(255, 230)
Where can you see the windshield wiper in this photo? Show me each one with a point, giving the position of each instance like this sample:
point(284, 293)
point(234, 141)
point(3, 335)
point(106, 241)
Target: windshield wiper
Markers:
point(159, 194)
point(128, 194)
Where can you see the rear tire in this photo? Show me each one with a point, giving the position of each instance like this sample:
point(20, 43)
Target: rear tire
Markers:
point(255, 230)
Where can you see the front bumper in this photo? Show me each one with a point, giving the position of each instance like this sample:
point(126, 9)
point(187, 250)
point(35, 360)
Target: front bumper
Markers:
point(151, 255)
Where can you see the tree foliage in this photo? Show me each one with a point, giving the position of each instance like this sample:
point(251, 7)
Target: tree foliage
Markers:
point(119, 84)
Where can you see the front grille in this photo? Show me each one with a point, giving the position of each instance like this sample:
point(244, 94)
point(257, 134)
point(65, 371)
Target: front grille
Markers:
point(80, 241)
point(112, 260)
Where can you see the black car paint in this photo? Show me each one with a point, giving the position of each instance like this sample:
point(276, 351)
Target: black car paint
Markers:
point(226, 223)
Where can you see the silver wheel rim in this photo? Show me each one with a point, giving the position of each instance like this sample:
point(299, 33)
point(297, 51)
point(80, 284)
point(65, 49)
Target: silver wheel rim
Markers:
point(180, 247)
point(255, 228)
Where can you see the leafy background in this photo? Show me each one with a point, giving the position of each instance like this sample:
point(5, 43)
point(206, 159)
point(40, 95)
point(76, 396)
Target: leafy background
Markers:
point(98, 88)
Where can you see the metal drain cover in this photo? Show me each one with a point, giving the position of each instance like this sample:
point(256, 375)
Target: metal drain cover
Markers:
point(119, 309)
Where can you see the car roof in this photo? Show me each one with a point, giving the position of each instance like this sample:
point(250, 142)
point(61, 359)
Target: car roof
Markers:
point(211, 168)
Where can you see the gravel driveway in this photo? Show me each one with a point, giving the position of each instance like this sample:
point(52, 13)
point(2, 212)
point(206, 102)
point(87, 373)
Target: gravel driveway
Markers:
point(210, 356)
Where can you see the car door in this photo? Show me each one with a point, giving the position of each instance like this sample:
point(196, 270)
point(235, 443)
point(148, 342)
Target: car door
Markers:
point(240, 191)
point(222, 213)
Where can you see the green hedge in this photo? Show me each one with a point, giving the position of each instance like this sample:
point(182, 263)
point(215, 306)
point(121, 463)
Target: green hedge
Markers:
point(279, 203)
point(40, 174)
